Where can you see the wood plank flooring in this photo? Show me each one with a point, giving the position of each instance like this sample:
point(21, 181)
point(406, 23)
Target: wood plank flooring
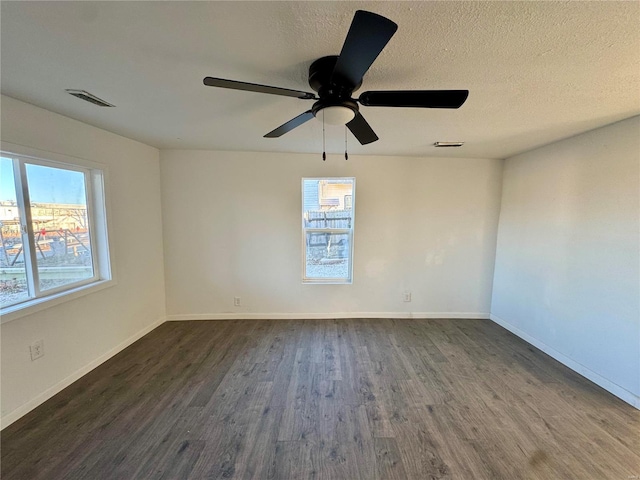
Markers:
point(327, 399)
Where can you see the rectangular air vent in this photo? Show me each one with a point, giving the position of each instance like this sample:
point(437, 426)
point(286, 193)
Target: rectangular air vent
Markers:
point(87, 97)
point(448, 144)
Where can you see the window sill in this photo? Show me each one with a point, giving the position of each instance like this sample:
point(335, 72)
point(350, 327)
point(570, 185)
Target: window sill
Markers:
point(38, 304)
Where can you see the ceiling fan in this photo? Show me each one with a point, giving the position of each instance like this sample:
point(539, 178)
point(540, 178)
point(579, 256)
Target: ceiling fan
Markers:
point(335, 78)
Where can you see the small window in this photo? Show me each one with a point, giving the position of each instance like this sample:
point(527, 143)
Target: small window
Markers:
point(52, 229)
point(327, 229)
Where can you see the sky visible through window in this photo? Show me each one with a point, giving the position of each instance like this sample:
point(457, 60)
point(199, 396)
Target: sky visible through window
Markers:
point(46, 185)
point(7, 187)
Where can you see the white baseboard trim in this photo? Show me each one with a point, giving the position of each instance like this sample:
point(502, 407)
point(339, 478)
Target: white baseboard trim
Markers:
point(620, 392)
point(323, 316)
point(22, 410)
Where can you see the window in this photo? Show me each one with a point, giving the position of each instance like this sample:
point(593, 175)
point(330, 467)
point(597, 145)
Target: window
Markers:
point(327, 229)
point(52, 229)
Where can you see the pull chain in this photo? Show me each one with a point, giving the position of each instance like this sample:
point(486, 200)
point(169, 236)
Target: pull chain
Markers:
point(324, 150)
point(346, 155)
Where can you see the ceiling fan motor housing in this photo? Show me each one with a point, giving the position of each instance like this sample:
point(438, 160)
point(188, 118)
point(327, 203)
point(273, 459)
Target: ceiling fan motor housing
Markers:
point(332, 92)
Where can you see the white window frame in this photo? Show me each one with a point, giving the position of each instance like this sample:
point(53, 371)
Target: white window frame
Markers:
point(94, 180)
point(349, 231)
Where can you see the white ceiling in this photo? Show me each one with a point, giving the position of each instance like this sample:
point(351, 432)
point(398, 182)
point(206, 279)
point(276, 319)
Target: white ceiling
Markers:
point(537, 72)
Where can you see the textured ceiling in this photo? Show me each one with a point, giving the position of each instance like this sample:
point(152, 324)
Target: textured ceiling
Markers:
point(537, 72)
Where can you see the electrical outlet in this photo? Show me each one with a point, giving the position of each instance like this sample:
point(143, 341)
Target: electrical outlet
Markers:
point(406, 296)
point(236, 301)
point(37, 350)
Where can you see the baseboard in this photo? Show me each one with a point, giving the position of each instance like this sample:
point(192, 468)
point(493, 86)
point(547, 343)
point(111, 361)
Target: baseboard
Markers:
point(620, 392)
point(22, 410)
point(323, 316)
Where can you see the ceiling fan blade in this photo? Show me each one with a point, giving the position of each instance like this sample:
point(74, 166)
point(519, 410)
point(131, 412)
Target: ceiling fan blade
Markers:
point(254, 87)
point(368, 35)
point(290, 125)
point(361, 130)
point(415, 98)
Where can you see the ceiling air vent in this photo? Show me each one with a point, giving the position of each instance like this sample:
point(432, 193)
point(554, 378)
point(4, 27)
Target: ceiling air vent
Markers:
point(87, 97)
point(448, 144)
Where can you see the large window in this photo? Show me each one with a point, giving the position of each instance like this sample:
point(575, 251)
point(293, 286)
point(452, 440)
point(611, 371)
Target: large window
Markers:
point(52, 229)
point(327, 229)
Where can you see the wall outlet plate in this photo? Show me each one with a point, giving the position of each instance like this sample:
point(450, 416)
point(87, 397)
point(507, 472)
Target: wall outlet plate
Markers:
point(236, 301)
point(406, 296)
point(36, 349)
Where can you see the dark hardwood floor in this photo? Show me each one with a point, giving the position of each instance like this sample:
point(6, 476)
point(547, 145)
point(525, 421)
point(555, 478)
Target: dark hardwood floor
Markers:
point(344, 399)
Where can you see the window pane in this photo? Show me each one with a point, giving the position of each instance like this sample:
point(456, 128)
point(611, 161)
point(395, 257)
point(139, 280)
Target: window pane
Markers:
point(60, 225)
point(327, 255)
point(13, 277)
point(327, 219)
point(327, 202)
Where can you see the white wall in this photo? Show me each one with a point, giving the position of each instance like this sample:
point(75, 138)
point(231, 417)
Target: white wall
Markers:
point(567, 265)
point(81, 333)
point(232, 227)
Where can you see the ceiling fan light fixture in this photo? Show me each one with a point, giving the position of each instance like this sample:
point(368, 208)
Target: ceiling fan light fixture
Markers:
point(337, 115)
